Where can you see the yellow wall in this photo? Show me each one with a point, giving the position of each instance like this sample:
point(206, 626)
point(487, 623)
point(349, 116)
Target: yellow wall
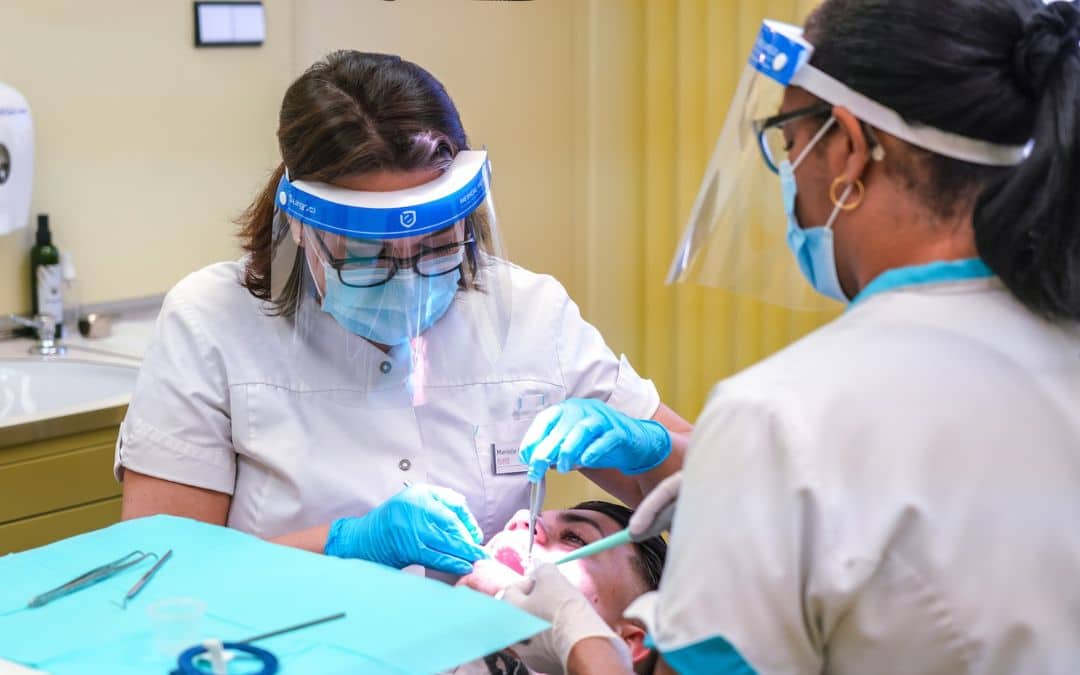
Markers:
point(657, 77)
point(147, 148)
point(599, 115)
point(509, 68)
point(660, 76)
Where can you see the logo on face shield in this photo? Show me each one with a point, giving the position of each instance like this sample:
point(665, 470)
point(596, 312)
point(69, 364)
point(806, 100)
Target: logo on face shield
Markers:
point(283, 198)
point(407, 218)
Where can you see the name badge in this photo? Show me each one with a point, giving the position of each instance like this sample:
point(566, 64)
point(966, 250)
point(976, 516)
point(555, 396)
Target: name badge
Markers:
point(504, 458)
point(501, 442)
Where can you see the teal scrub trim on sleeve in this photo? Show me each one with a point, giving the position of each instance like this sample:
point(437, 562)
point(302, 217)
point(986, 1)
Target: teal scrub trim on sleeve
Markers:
point(930, 273)
point(715, 656)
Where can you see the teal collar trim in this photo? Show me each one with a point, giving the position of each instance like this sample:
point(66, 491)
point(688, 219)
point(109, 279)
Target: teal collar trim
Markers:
point(918, 275)
point(714, 656)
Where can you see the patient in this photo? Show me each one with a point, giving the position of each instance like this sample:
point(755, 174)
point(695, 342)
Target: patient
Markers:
point(610, 580)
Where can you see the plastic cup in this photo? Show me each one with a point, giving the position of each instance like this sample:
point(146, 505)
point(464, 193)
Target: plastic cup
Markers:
point(176, 624)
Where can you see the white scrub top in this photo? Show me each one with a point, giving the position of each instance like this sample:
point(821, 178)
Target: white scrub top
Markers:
point(211, 409)
point(898, 492)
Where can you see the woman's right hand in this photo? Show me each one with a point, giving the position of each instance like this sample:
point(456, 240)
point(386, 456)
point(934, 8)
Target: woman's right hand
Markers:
point(421, 525)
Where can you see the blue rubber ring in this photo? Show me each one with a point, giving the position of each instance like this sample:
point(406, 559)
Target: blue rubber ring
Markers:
point(185, 664)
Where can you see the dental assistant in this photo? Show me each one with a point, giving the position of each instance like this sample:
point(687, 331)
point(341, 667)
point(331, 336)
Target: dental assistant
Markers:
point(373, 335)
point(898, 492)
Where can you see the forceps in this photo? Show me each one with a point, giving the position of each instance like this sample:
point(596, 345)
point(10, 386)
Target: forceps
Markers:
point(90, 578)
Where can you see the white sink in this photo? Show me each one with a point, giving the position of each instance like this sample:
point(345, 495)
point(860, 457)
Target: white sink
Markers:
point(34, 387)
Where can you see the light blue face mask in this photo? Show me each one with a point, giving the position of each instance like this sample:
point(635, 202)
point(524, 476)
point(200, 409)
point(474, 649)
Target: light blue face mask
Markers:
point(391, 313)
point(812, 246)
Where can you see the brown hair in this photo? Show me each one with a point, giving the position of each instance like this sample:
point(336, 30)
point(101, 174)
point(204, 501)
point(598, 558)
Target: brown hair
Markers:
point(352, 113)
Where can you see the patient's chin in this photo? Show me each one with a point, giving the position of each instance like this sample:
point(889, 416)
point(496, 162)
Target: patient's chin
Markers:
point(490, 576)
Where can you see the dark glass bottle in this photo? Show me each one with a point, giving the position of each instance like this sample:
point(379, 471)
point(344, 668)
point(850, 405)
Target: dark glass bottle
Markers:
point(45, 275)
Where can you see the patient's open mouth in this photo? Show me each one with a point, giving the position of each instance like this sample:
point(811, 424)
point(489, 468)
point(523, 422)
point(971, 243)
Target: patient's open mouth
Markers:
point(511, 559)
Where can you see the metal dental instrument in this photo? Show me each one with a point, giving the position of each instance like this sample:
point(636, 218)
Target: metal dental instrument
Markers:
point(90, 578)
point(662, 522)
point(536, 502)
point(298, 626)
point(217, 653)
point(134, 590)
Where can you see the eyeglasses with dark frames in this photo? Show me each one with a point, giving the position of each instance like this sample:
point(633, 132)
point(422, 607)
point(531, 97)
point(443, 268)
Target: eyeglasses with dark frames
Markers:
point(770, 133)
point(368, 271)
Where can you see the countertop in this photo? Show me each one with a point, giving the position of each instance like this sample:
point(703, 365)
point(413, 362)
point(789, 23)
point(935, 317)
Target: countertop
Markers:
point(125, 346)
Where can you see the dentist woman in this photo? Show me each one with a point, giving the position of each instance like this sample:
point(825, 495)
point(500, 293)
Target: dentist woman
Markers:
point(373, 336)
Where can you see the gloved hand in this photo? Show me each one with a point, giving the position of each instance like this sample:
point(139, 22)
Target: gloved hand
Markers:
point(490, 577)
point(656, 511)
point(547, 594)
point(423, 524)
point(589, 433)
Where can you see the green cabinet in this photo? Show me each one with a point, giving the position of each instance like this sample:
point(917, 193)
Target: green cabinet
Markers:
point(56, 488)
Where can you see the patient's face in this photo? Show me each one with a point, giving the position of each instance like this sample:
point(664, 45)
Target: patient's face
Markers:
point(609, 579)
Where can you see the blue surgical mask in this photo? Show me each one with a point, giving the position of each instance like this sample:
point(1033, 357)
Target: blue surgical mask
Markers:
point(813, 246)
point(391, 313)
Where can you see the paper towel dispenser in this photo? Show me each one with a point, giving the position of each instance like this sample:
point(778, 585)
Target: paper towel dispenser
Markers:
point(16, 159)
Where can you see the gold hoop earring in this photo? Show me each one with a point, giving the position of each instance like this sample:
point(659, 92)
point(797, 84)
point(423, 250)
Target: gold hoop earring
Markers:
point(848, 206)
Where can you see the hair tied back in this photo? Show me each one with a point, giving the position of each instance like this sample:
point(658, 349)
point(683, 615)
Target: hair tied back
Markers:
point(1048, 36)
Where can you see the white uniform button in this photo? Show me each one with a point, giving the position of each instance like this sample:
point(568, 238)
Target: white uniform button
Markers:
point(385, 367)
point(404, 465)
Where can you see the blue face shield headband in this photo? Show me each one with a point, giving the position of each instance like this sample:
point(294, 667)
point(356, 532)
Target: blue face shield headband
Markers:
point(420, 210)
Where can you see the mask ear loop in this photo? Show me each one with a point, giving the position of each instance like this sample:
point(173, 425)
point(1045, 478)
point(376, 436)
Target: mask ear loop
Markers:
point(813, 141)
point(877, 153)
point(841, 202)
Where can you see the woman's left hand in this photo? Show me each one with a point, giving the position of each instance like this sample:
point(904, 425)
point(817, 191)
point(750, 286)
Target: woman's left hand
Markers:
point(585, 432)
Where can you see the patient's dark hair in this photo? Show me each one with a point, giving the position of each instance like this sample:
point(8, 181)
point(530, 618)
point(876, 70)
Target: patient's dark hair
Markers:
point(648, 561)
point(651, 553)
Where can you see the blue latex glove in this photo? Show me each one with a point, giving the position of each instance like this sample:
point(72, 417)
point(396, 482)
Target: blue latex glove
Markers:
point(421, 525)
point(584, 432)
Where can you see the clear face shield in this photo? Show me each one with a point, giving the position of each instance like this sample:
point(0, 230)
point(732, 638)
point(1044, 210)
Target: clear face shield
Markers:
point(736, 237)
point(382, 289)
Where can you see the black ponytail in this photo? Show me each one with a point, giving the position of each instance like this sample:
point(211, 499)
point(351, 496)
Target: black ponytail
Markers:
point(1003, 71)
point(1027, 224)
